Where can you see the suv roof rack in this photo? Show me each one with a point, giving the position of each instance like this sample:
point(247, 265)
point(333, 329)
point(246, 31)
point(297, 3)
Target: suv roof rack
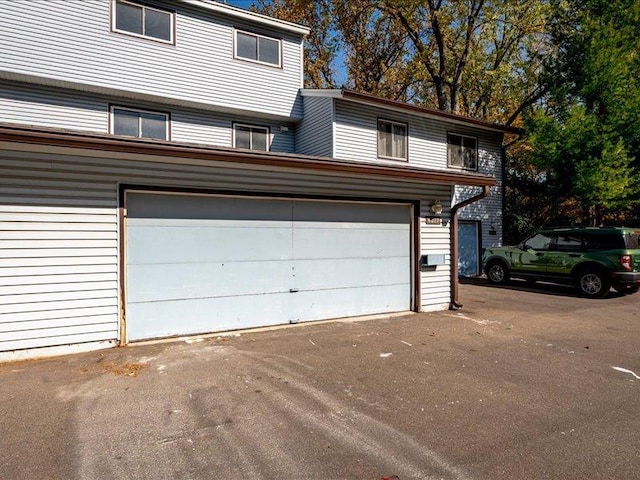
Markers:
point(581, 227)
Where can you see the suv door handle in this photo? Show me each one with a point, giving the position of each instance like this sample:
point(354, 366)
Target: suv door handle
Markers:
point(539, 254)
point(574, 255)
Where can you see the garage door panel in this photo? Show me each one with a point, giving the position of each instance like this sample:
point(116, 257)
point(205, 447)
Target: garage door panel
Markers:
point(301, 225)
point(207, 280)
point(190, 317)
point(348, 302)
point(211, 223)
point(349, 273)
point(200, 207)
point(198, 264)
point(337, 243)
point(176, 244)
point(360, 213)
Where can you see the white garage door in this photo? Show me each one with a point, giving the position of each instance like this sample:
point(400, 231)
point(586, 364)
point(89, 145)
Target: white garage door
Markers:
point(198, 263)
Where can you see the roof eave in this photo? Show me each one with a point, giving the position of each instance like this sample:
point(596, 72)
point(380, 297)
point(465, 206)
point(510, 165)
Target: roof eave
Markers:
point(250, 16)
point(356, 96)
point(368, 99)
point(95, 141)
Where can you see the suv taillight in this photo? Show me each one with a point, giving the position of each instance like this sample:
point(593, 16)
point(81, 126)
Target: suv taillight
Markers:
point(625, 261)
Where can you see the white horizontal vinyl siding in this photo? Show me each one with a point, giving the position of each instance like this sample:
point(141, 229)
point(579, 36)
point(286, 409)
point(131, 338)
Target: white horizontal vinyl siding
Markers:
point(58, 259)
point(488, 210)
point(217, 129)
point(58, 218)
point(314, 135)
point(28, 104)
point(356, 139)
point(62, 108)
point(356, 136)
point(71, 41)
point(435, 239)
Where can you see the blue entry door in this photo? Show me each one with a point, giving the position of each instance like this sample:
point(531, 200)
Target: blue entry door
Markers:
point(468, 248)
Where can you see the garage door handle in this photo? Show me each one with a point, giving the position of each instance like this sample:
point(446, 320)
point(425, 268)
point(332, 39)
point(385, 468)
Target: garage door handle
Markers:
point(293, 290)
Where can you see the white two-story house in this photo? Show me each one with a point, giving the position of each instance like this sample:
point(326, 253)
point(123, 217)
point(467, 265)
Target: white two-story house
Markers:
point(163, 173)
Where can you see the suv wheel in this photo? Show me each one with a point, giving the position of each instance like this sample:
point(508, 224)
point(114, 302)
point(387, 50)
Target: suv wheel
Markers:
point(497, 272)
point(593, 283)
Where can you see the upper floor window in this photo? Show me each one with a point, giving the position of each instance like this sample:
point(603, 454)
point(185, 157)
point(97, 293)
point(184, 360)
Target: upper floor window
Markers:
point(142, 21)
point(462, 151)
point(139, 123)
point(250, 137)
point(258, 48)
point(392, 140)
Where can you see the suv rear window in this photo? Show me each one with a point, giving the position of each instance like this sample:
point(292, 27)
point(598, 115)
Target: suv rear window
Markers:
point(606, 241)
point(632, 240)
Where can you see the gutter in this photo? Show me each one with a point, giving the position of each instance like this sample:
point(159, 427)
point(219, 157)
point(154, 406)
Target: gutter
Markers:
point(381, 102)
point(455, 303)
point(354, 95)
point(207, 154)
point(248, 15)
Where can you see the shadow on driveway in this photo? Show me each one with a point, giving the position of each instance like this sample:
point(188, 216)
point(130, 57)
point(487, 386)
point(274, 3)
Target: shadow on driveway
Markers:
point(513, 386)
point(543, 288)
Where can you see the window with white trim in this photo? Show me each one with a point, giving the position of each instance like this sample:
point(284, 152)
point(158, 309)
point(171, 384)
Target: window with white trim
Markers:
point(142, 21)
point(251, 137)
point(258, 48)
point(139, 123)
point(462, 151)
point(392, 140)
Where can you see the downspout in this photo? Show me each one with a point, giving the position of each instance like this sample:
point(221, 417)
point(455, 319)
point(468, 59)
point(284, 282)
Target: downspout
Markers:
point(455, 304)
point(503, 191)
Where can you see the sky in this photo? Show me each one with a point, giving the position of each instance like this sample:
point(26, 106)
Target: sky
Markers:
point(239, 3)
point(340, 76)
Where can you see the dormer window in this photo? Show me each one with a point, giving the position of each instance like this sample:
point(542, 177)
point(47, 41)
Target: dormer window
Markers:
point(462, 151)
point(142, 21)
point(258, 48)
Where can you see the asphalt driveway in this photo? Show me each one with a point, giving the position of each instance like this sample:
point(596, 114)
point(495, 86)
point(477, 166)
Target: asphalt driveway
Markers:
point(519, 384)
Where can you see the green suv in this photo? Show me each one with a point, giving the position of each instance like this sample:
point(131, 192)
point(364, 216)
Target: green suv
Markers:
point(592, 259)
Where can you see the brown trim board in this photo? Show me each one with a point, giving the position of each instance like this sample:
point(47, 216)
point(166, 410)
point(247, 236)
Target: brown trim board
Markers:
point(97, 141)
point(354, 95)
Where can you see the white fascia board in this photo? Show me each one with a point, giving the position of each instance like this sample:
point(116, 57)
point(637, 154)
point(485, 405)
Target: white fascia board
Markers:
point(437, 118)
point(321, 92)
point(400, 109)
point(248, 15)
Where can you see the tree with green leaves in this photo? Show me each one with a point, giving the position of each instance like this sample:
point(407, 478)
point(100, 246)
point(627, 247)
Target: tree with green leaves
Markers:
point(480, 58)
point(566, 70)
point(584, 141)
point(322, 44)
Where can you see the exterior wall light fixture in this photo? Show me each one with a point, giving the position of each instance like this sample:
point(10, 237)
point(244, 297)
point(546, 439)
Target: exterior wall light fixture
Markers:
point(436, 208)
